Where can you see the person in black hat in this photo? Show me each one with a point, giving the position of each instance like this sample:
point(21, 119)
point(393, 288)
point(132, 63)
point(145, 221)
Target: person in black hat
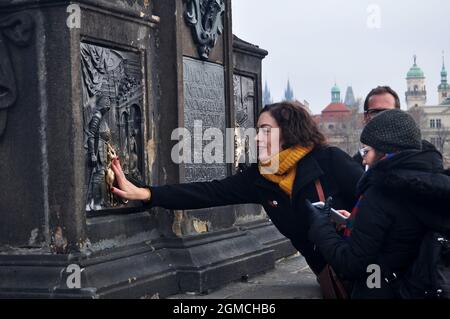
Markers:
point(403, 193)
point(390, 132)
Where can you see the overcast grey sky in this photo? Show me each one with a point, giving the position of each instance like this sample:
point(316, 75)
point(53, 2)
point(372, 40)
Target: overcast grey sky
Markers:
point(315, 42)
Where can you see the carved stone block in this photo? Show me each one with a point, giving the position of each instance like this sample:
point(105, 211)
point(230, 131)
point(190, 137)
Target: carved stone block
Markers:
point(113, 120)
point(204, 100)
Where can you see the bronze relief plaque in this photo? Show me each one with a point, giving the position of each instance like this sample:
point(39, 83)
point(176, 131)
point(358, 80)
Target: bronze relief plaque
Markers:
point(113, 108)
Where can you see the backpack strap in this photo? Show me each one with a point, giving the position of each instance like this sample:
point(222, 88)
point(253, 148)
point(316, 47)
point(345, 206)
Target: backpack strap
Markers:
point(319, 190)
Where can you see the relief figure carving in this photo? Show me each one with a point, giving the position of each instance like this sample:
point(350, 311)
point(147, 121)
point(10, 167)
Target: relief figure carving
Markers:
point(112, 109)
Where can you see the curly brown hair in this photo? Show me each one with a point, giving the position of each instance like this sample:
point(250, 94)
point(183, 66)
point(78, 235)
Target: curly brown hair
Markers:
point(296, 125)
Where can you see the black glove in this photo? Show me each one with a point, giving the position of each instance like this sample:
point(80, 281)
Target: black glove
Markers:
point(321, 225)
point(316, 214)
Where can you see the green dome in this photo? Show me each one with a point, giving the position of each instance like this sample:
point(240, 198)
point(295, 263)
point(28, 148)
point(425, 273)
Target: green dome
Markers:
point(335, 89)
point(415, 71)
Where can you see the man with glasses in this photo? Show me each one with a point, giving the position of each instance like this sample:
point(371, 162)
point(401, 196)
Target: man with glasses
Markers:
point(380, 99)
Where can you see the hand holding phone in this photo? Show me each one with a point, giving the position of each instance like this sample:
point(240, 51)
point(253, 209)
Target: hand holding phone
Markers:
point(335, 215)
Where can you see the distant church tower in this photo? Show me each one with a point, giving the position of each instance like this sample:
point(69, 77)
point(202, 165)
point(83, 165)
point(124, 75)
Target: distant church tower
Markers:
point(288, 93)
point(443, 88)
point(350, 100)
point(417, 93)
point(267, 99)
point(335, 94)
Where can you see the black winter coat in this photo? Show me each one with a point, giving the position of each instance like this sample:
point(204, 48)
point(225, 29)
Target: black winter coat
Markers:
point(337, 172)
point(402, 196)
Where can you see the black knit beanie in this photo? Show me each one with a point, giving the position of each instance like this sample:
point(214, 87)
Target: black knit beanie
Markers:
point(392, 131)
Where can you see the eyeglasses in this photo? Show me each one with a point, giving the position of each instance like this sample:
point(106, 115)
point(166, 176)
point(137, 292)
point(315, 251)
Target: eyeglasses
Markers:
point(374, 111)
point(265, 130)
point(364, 151)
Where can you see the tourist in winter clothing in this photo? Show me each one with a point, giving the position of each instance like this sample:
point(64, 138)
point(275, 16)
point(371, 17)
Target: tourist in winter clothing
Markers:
point(403, 193)
point(306, 166)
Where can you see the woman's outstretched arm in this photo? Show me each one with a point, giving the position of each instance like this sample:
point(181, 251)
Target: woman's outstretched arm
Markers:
point(236, 189)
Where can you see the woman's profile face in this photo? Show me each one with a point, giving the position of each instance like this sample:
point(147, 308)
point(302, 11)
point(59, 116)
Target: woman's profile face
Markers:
point(269, 138)
point(369, 155)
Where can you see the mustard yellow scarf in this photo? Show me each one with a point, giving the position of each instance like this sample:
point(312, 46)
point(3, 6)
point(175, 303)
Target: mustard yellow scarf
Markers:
point(287, 167)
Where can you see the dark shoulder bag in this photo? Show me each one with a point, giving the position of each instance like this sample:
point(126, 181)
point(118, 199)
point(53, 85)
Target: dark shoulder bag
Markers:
point(332, 287)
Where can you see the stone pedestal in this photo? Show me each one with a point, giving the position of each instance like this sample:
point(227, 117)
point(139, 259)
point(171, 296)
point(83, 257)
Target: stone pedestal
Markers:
point(67, 62)
point(79, 81)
